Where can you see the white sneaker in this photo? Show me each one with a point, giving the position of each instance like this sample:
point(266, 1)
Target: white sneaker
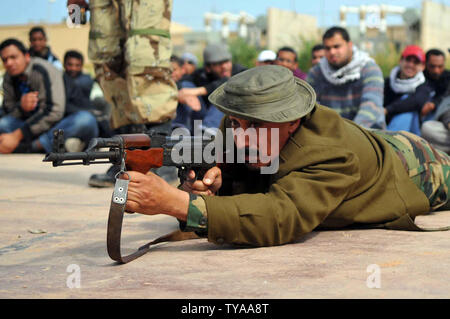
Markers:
point(74, 144)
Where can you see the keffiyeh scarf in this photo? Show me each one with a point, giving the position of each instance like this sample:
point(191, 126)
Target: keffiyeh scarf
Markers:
point(347, 73)
point(405, 85)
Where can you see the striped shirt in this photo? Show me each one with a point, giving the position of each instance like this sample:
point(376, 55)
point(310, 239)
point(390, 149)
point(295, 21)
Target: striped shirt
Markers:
point(360, 101)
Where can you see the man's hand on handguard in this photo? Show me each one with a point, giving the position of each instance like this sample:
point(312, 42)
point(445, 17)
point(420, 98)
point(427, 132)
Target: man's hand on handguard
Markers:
point(209, 185)
point(150, 194)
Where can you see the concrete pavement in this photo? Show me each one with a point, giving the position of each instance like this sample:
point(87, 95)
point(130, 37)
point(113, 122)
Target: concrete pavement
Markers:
point(53, 228)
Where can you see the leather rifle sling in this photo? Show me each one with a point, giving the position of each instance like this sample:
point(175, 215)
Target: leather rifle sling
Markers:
point(115, 220)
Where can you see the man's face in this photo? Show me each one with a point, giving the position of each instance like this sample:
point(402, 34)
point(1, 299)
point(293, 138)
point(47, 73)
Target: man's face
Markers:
point(38, 42)
point(220, 69)
point(188, 68)
point(73, 67)
point(14, 61)
point(338, 51)
point(410, 66)
point(435, 66)
point(317, 55)
point(287, 59)
point(177, 71)
point(263, 144)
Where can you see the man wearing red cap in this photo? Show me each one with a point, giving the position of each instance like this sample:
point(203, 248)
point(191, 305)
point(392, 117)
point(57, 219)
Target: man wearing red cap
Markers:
point(406, 91)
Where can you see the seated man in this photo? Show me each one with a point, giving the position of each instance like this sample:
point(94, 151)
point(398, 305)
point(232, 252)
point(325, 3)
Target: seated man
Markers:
point(349, 81)
point(34, 103)
point(331, 172)
point(438, 78)
point(437, 130)
point(39, 47)
point(192, 103)
point(406, 92)
point(190, 63)
point(317, 53)
point(287, 57)
point(78, 88)
point(81, 92)
point(73, 67)
point(217, 70)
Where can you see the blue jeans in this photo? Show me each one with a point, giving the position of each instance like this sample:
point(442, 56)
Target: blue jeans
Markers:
point(408, 121)
point(9, 123)
point(81, 124)
point(213, 117)
point(209, 114)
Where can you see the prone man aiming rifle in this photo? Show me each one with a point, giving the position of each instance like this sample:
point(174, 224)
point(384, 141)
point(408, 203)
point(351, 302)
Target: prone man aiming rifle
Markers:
point(135, 152)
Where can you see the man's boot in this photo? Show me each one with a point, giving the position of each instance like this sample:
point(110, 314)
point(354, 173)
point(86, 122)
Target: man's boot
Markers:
point(105, 180)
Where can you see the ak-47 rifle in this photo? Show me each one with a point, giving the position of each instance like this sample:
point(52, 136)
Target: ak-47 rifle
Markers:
point(134, 152)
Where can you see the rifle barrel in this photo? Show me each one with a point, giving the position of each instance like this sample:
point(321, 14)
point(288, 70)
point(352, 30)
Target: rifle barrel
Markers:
point(86, 157)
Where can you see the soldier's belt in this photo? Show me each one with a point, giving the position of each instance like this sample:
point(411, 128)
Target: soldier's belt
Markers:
point(93, 35)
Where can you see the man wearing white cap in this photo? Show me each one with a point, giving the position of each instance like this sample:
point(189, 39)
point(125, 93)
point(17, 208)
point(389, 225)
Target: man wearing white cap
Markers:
point(266, 57)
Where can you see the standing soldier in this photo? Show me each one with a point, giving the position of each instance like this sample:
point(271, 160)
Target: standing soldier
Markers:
point(129, 44)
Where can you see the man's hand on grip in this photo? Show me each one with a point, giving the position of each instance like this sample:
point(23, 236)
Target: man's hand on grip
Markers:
point(209, 185)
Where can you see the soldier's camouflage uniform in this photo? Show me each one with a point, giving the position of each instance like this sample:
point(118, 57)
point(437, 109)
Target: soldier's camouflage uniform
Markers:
point(129, 44)
point(428, 167)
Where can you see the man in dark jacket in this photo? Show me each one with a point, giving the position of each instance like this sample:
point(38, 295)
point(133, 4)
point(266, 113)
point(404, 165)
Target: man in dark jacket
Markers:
point(328, 171)
point(78, 85)
point(78, 104)
point(217, 70)
point(438, 78)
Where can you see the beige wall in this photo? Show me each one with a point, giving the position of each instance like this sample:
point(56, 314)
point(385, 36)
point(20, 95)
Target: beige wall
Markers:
point(288, 27)
point(62, 38)
point(435, 26)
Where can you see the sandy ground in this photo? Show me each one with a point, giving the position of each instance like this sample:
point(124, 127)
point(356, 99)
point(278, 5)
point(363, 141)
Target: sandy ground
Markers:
point(53, 245)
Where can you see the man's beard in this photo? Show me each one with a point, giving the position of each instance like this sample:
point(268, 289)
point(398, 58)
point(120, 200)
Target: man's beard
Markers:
point(342, 64)
point(247, 152)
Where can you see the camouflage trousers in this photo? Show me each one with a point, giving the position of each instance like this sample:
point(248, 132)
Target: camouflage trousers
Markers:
point(427, 167)
point(130, 46)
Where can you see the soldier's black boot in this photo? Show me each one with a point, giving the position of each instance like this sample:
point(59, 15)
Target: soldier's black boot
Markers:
point(104, 180)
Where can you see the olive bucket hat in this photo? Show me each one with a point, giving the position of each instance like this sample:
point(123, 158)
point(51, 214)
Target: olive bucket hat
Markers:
point(267, 93)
